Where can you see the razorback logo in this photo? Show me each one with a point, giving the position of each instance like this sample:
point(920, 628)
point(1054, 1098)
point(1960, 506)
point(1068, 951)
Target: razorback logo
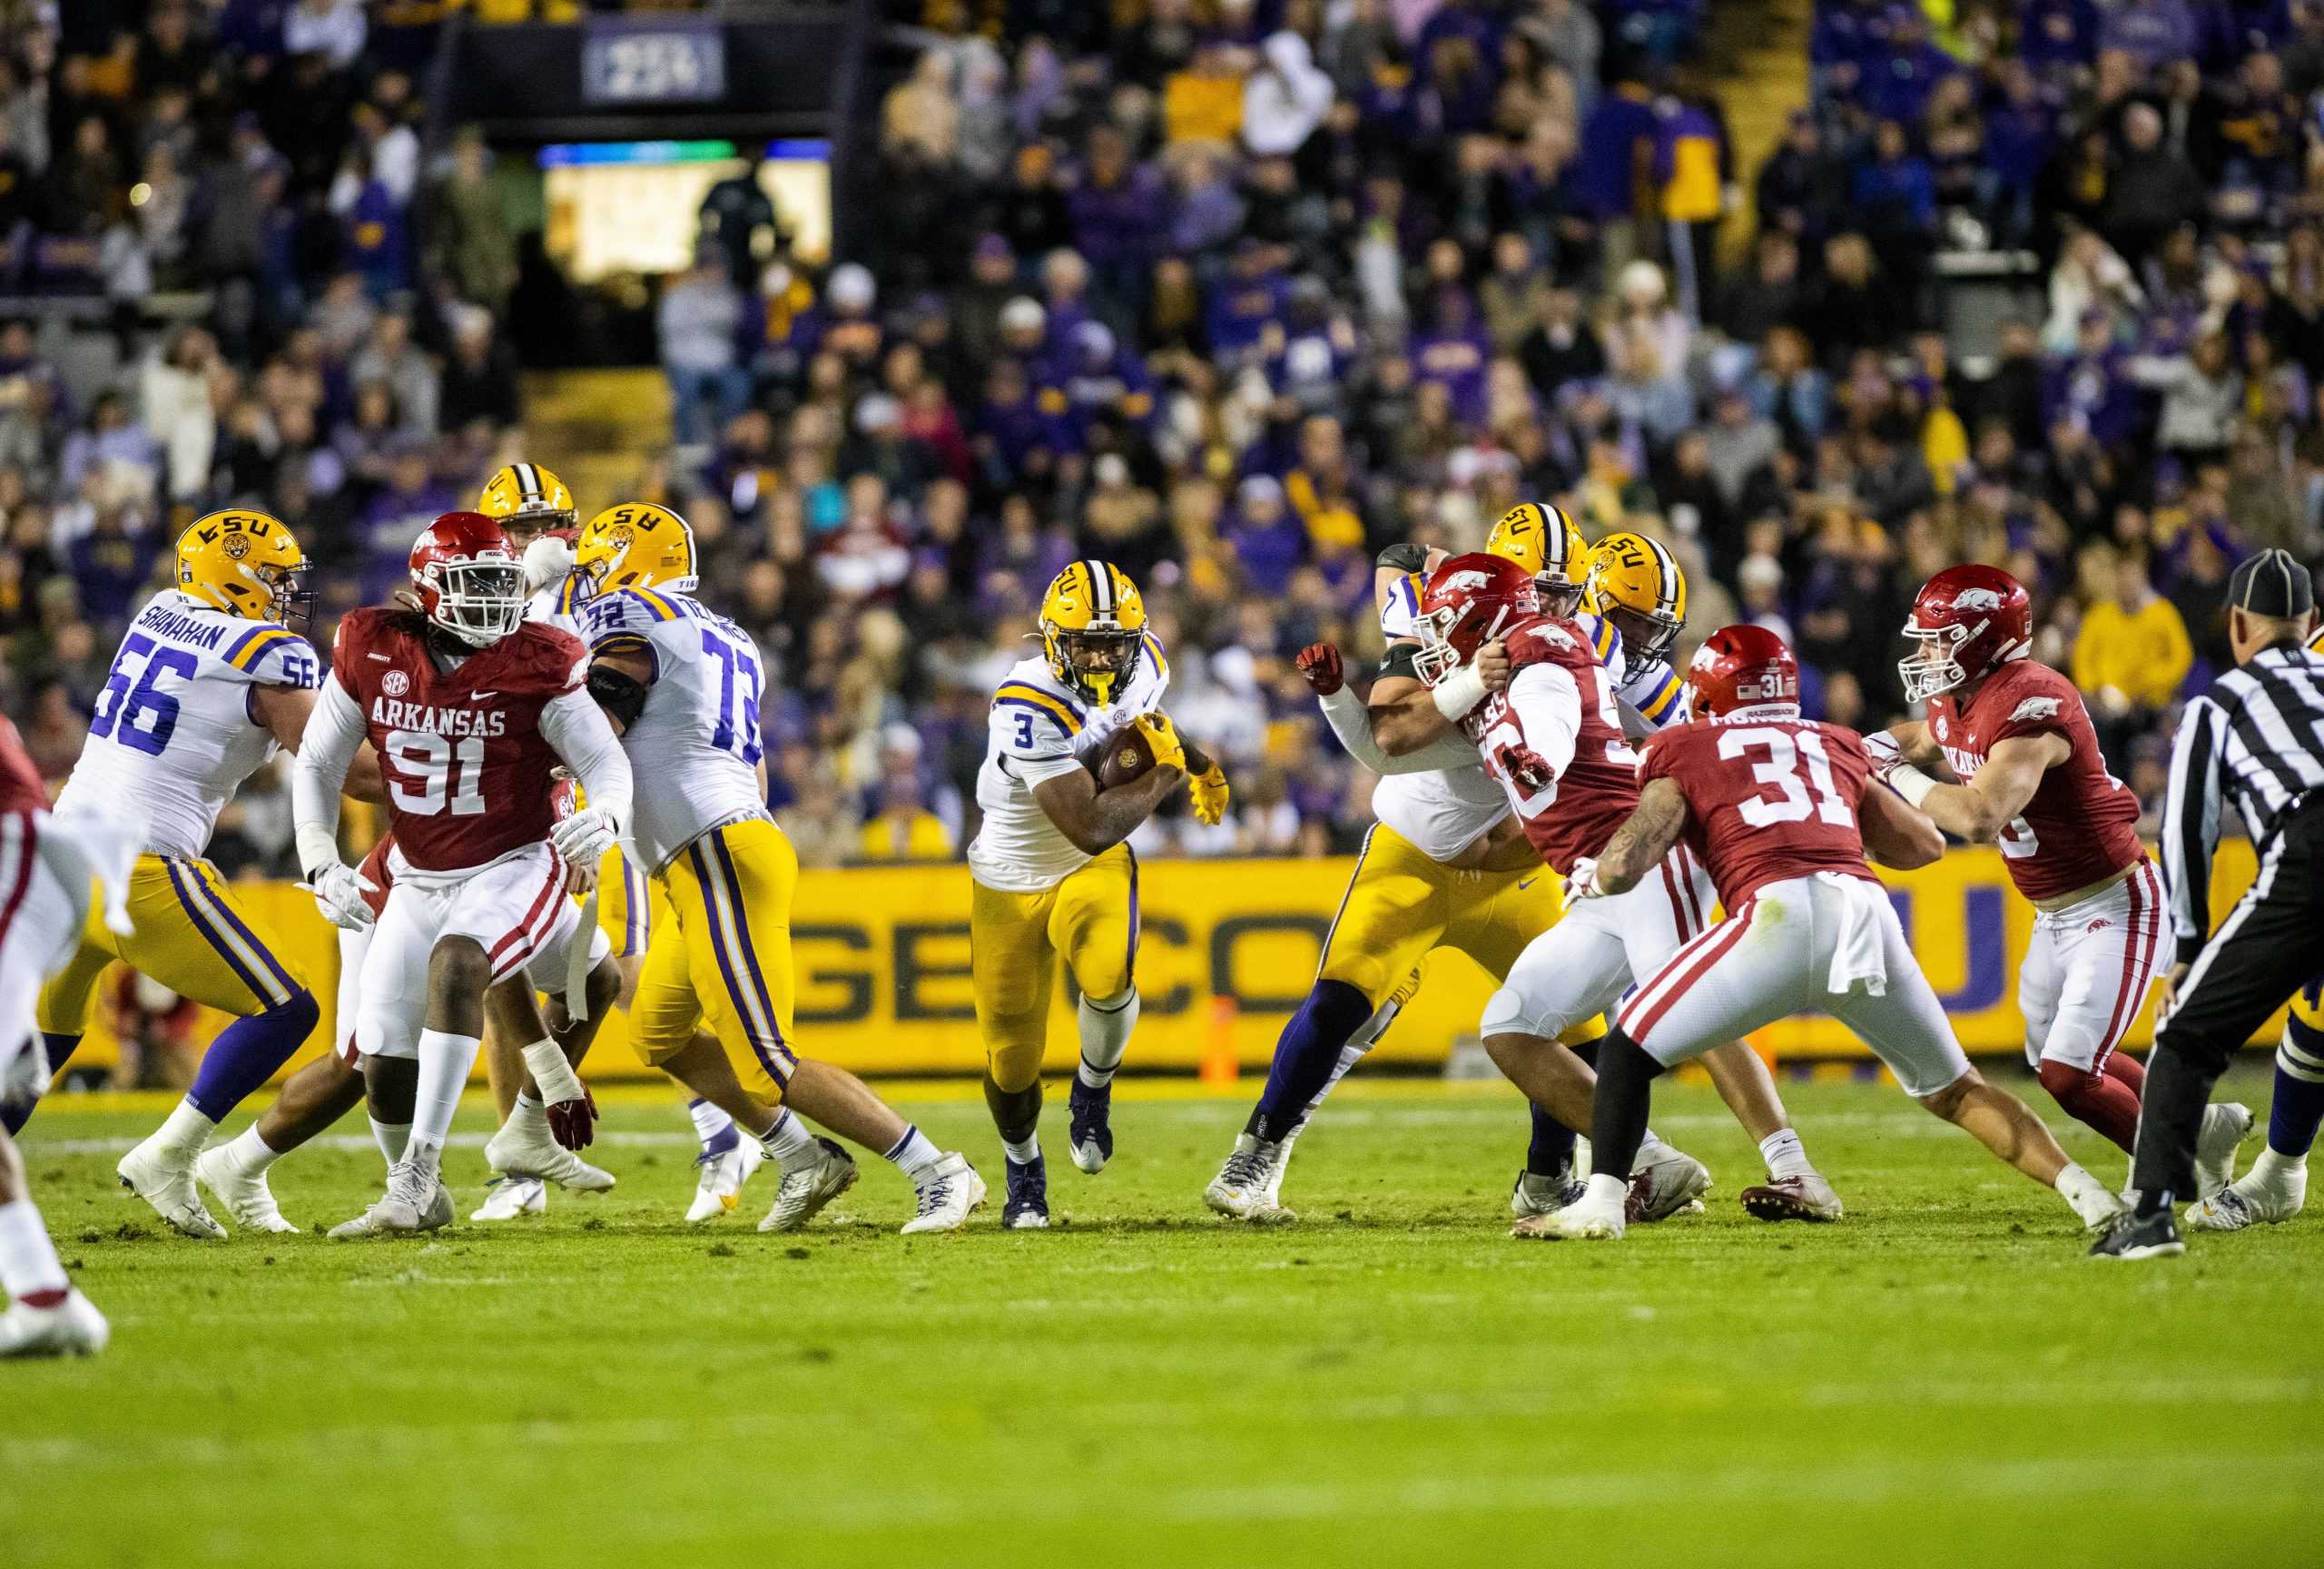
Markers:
point(2098, 925)
point(1976, 599)
point(2036, 708)
point(1467, 578)
point(1554, 637)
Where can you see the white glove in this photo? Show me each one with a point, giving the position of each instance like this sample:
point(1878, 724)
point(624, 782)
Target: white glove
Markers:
point(585, 836)
point(1886, 753)
point(1581, 882)
point(338, 891)
point(547, 559)
point(26, 1079)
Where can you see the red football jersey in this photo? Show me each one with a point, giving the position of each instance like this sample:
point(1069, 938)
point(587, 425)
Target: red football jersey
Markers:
point(1574, 815)
point(21, 789)
point(1767, 798)
point(2082, 826)
point(468, 771)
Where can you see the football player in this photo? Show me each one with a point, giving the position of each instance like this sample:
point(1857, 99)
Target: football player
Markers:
point(1053, 874)
point(2015, 736)
point(1780, 811)
point(682, 686)
point(47, 865)
point(211, 680)
point(472, 708)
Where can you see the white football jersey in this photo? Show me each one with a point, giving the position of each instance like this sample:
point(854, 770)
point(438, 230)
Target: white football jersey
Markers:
point(174, 733)
point(694, 747)
point(1040, 729)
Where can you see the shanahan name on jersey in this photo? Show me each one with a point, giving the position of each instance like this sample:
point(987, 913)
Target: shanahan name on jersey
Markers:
point(469, 773)
point(1038, 730)
point(2082, 826)
point(1769, 796)
point(174, 734)
point(699, 730)
point(1559, 706)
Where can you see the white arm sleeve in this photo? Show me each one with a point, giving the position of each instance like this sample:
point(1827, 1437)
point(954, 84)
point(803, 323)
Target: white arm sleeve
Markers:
point(585, 739)
point(1548, 705)
point(1352, 723)
point(326, 749)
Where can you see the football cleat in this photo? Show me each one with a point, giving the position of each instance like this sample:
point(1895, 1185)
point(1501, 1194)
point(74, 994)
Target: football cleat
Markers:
point(527, 1150)
point(2131, 1238)
point(507, 1198)
point(167, 1185)
point(71, 1327)
point(1247, 1187)
point(1091, 1134)
point(809, 1186)
point(949, 1194)
point(1538, 1195)
point(2250, 1202)
point(245, 1195)
point(1028, 1205)
point(720, 1189)
point(412, 1203)
point(2225, 1127)
point(1808, 1197)
point(1670, 1182)
point(1586, 1219)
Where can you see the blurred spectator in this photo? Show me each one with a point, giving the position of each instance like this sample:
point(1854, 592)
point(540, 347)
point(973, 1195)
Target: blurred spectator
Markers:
point(698, 324)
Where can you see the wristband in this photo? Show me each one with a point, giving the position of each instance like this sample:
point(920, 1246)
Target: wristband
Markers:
point(1910, 782)
point(318, 846)
point(553, 1076)
point(1455, 695)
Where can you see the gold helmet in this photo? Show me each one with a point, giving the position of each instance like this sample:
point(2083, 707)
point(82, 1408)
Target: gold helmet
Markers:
point(1544, 540)
point(1635, 583)
point(245, 564)
point(526, 499)
point(1093, 629)
point(637, 544)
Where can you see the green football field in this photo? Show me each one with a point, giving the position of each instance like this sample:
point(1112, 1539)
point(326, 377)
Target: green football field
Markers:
point(1941, 1379)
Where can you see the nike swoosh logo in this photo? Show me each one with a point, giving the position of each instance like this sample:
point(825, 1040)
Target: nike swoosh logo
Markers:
point(1527, 884)
point(482, 696)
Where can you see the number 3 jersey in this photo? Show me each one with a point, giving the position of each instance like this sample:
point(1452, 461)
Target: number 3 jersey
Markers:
point(1039, 730)
point(698, 733)
point(175, 730)
point(1770, 796)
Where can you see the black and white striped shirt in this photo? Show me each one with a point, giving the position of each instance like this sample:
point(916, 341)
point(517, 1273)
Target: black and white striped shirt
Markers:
point(2255, 741)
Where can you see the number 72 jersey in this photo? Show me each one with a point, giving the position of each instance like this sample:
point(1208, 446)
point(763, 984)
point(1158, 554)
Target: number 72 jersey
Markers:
point(694, 747)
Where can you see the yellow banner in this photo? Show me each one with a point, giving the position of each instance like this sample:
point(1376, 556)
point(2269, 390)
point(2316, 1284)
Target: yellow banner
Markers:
point(1227, 951)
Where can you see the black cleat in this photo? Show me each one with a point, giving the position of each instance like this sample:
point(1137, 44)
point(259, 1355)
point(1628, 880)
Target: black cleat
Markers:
point(1091, 1133)
point(1027, 1209)
point(2154, 1236)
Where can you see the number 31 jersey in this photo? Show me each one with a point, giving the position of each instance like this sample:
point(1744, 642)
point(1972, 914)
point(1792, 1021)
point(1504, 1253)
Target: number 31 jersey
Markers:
point(1770, 796)
point(694, 747)
point(174, 733)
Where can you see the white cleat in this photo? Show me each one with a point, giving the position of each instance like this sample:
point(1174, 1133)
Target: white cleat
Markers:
point(808, 1187)
point(720, 1190)
point(1586, 1219)
point(2252, 1202)
point(1671, 1182)
point(167, 1185)
point(511, 1198)
point(73, 1328)
point(407, 1208)
point(1538, 1195)
point(1808, 1197)
point(1249, 1187)
point(949, 1195)
point(2226, 1125)
point(529, 1152)
point(244, 1195)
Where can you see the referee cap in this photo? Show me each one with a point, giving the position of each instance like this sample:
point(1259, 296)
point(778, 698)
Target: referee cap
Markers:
point(2271, 583)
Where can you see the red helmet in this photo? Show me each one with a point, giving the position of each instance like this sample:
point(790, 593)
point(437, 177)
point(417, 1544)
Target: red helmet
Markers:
point(1967, 620)
point(1742, 667)
point(469, 579)
point(1470, 600)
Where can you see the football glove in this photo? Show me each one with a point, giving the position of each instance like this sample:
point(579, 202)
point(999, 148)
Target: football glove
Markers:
point(26, 1079)
point(1162, 737)
point(338, 891)
point(547, 559)
point(1582, 882)
point(586, 835)
point(572, 1109)
point(1209, 793)
point(1320, 664)
point(1885, 753)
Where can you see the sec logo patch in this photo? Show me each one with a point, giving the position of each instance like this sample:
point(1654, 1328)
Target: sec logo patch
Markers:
point(395, 683)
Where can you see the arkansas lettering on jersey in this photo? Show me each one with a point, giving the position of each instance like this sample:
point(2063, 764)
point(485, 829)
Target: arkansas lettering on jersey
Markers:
point(1768, 796)
point(468, 771)
point(20, 787)
point(2082, 826)
point(1574, 814)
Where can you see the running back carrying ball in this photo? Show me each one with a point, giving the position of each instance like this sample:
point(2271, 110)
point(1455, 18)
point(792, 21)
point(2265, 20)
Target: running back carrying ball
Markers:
point(1127, 757)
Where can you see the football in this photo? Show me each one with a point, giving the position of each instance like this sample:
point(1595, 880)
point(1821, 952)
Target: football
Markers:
point(1128, 756)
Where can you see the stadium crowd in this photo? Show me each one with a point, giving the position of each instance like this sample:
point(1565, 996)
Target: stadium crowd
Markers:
point(1234, 293)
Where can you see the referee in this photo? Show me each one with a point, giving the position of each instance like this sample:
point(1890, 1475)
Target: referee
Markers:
point(2255, 741)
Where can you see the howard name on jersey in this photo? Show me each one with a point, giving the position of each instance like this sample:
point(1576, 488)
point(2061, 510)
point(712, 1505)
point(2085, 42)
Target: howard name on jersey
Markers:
point(2082, 826)
point(699, 730)
point(1767, 798)
point(468, 771)
point(175, 732)
point(1037, 730)
point(1558, 687)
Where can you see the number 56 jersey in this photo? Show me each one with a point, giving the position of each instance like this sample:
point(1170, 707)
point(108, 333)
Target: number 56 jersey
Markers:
point(698, 736)
point(174, 733)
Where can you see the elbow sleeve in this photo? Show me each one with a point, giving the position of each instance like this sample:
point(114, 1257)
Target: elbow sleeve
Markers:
point(619, 694)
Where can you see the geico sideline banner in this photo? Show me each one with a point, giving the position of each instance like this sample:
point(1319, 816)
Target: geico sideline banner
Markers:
point(1227, 951)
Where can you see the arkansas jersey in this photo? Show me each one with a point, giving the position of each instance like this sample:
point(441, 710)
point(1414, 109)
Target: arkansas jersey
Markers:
point(468, 771)
point(1554, 741)
point(20, 787)
point(1767, 797)
point(2082, 826)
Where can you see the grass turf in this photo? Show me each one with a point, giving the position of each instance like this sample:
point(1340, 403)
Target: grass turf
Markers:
point(1942, 1378)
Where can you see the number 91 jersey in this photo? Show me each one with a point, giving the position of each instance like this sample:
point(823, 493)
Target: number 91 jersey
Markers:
point(696, 744)
point(174, 734)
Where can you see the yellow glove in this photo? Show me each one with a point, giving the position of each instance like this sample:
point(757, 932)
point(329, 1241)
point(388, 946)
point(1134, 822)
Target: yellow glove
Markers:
point(1162, 737)
point(1209, 789)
